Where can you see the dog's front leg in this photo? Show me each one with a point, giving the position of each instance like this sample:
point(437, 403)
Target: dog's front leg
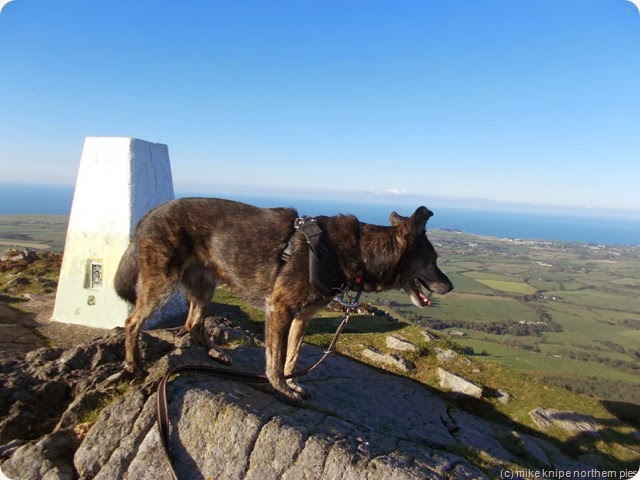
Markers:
point(278, 324)
point(296, 335)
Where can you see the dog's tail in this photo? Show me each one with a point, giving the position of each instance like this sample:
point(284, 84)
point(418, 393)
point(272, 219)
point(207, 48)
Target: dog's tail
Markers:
point(127, 274)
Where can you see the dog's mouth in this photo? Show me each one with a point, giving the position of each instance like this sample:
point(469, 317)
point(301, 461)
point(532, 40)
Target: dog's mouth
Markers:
point(417, 295)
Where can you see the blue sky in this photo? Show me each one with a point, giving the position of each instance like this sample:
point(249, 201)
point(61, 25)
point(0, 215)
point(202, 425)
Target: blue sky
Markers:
point(533, 101)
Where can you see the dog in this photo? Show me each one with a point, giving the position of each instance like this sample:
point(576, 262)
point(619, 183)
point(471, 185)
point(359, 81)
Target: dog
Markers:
point(195, 243)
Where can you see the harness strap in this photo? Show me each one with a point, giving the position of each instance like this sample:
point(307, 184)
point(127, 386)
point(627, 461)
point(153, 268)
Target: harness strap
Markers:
point(319, 267)
point(162, 405)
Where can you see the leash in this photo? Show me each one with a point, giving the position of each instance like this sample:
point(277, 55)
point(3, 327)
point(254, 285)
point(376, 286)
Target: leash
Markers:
point(162, 407)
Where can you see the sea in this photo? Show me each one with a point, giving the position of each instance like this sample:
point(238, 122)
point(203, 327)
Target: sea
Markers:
point(496, 222)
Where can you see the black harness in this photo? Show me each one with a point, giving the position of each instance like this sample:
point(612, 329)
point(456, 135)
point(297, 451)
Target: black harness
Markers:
point(319, 264)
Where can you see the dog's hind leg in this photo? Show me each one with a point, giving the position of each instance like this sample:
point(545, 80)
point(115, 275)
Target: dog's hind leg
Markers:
point(132, 326)
point(152, 297)
point(199, 285)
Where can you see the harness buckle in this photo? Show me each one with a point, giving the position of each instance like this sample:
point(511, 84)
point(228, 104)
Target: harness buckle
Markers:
point(352, 301)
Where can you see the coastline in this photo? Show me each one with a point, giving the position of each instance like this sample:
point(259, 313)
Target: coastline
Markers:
point(554, 226)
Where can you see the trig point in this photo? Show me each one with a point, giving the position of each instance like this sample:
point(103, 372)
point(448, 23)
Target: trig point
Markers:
point(119, 180)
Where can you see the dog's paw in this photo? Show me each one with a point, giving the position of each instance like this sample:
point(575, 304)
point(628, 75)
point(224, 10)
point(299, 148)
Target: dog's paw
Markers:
point(132, 370)
point(300, 390)
point(290, 397)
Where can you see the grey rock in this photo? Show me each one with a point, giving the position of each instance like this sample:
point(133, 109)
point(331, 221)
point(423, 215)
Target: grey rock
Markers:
point(504, 397)
point(30, 406)
point(568, 421)
point(457, 333)
point(389, 359)
point(224, 429)
point(8, 449)
point(29, 255)
point(396, 342)
point(14, 255)
point(592, 460)
point(559, 460)
point(482, 436)
point(445, 355)
point(133, 445)
point(100, 443)
point(85, 401)
point(429, 337)
point(532, 447)
point(50, 458)
point(458, 384)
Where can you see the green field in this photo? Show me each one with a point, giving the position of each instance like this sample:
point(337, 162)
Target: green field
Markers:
point(514, 287)
point(619, 301)
point(590, 292)
point(545, 363)
point(39, 232)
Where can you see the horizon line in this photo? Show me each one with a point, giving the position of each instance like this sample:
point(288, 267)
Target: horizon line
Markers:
point(383, 196)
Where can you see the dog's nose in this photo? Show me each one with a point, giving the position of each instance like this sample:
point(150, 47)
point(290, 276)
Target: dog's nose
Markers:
point(447, 287)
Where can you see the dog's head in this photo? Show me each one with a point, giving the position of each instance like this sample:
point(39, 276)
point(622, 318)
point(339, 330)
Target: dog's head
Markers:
point(418, 266)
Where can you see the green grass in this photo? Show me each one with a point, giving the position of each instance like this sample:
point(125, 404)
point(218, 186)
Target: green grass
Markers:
point(479, 308)
point(584, 326)
point(532, 362)
point(90, 416)
point(599, 299)
point(513, 287)
point(41, 232)
point(227, 304)
point(483, 275)
point(464, 284)
point(629, 282)
point(539, 284)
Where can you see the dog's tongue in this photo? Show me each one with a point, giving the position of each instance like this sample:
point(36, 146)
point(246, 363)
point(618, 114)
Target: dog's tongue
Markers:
point(425, 299)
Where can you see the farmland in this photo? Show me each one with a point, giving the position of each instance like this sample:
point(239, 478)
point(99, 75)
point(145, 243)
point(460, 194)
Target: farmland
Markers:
point(580, 302)
point(40, 232)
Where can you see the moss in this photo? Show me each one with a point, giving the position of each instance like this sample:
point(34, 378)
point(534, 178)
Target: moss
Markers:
point(91, 415)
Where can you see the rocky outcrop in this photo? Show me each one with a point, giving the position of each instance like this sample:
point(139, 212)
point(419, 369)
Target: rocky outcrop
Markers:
point(396, 342)
point(445, 355)
point(457, 384)
point(361, 422)
point(503, 397)
point(572, 422)
point(12, 255)
point(429, 337)
point(388, 359)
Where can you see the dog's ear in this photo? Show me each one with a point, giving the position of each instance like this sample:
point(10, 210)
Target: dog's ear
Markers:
point(396, 219)
point(407, 229)
point(419, 219)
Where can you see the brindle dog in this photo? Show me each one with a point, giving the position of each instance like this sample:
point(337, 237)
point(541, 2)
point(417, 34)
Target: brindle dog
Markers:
point(195, 243)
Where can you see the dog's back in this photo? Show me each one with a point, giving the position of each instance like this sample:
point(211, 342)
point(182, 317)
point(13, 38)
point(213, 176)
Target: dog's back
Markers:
point(230, 238)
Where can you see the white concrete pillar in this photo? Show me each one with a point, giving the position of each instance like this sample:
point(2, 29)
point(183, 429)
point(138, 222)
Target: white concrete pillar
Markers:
point(119, 180)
